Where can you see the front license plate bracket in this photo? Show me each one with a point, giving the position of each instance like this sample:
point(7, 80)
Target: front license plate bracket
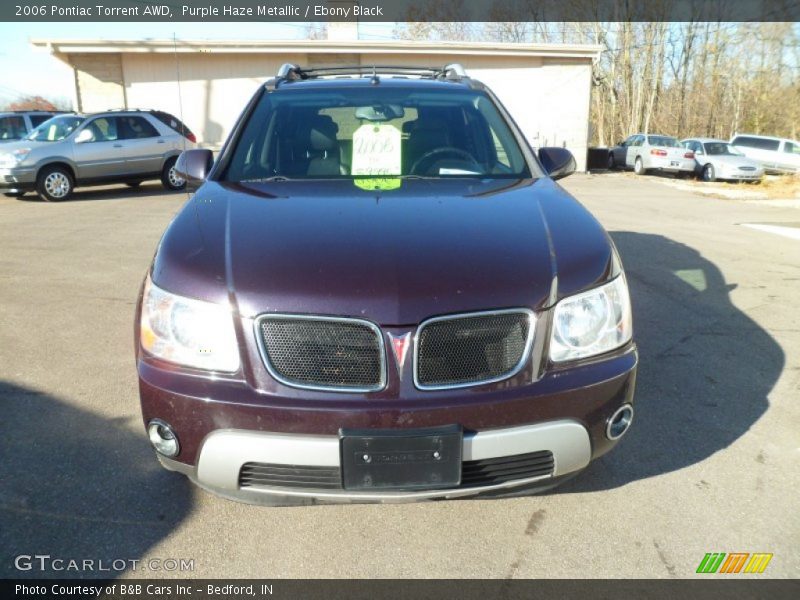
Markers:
point(397, 459)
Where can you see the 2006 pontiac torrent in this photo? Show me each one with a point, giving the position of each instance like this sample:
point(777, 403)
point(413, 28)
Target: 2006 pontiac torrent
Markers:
point(379, 293)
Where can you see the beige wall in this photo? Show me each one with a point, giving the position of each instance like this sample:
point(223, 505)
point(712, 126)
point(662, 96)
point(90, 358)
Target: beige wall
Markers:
point(98, 81)
point(548, 97)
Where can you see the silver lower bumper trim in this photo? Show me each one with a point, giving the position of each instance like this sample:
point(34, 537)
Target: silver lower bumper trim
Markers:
point(225, 451)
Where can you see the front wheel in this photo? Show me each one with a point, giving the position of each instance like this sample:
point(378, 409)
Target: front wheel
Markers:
point(638, 166)
point(709, 174)
point(54, 184)
point(170, 178)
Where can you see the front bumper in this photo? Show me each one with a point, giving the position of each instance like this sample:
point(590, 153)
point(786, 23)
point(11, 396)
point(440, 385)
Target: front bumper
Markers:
point(18, 178)
point(736, 174)
point(223, 424)
point(225, 452)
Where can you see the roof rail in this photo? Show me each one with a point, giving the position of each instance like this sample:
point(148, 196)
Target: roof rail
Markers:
point(292, 72)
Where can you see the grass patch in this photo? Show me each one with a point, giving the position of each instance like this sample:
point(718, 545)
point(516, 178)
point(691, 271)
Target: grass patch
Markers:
point(786, 186)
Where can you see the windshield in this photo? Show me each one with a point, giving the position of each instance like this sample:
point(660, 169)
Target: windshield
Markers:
point(375, 132)
point(720, 149)
point(55, 129)
point(12, 128)
point(662, 140)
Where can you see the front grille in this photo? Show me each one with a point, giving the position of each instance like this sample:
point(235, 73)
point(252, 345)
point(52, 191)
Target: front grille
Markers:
point(747, 168)
point(291, 476)
point(323, 353)
point(491, 471)
point(474, 473)
point(470, 349)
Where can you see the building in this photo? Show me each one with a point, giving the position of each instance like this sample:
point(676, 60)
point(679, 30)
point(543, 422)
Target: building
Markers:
point(546, 87)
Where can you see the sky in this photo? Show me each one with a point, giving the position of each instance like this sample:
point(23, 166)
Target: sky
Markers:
point(33, 71)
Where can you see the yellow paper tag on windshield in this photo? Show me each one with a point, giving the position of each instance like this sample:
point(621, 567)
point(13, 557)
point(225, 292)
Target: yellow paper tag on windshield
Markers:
point(380, 184)
point(376, 150)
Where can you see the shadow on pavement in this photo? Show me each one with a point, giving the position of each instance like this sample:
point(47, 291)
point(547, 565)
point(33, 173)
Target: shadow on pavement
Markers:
point(705, 367)
point(74, 485)
point(116, 192)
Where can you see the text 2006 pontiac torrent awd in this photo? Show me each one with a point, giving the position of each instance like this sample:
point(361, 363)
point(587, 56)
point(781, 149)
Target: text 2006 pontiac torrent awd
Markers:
point(379, 293)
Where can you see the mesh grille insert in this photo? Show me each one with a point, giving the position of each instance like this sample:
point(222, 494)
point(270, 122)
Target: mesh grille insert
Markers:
point(472, 349)
point(323, 353)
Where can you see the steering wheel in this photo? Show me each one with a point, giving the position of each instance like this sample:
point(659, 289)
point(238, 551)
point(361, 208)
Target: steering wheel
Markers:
point(443, 150)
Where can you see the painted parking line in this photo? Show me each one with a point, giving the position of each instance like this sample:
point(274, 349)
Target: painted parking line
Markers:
point(790, 232)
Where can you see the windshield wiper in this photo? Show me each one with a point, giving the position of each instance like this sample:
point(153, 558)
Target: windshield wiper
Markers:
point(271, 179)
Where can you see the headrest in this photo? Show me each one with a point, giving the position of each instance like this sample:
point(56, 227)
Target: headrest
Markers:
point(322, 132)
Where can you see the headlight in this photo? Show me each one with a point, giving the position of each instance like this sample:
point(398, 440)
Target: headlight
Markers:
point(592, 322)
point(20, 154)
point(14, 157)
point(188, 332)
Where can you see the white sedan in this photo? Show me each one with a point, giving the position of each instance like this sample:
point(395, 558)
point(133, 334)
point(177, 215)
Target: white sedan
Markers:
point(647, 152)
point(717, 159)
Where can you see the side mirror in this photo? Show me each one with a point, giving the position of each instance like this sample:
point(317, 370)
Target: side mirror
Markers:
point(557, 162)
point(194, 166)
point(85, 135)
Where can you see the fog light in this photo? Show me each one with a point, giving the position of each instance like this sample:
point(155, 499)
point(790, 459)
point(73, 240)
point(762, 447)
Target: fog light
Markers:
point(163, 438)
point(619, 422)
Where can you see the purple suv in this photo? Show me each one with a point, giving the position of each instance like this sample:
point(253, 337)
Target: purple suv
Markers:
point(379, 293)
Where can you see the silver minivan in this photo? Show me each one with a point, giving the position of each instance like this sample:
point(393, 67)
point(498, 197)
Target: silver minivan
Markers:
point(126, 146)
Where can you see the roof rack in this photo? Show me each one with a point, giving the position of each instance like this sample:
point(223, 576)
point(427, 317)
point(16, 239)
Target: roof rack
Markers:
point(35, 110)
point(451, 72)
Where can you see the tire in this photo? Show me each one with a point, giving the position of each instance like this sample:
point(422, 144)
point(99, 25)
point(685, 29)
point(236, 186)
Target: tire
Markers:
point(709, 174)
point(611, 162)
point(133, 184)
point(169, 178)
point(638, 166)
point(55, 184)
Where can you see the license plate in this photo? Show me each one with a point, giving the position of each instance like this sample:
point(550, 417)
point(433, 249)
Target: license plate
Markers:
point(396, 459)
point(674, 163)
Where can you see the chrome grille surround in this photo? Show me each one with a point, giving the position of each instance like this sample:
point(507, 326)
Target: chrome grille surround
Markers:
point(525, 354)
point(259, 321)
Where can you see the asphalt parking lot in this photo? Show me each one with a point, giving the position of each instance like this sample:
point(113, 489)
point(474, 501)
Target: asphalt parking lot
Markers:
point(712, 463)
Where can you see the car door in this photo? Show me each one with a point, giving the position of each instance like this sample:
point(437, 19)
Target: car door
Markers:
point(620, 149)
point(144, 146)
point(632, 149)
point(99, 155)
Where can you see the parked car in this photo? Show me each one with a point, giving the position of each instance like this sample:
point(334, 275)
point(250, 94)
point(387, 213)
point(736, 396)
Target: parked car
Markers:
point(15, 125)
point(126, 146)
point(717, 159)
point(778, 156)
point(648, 152)
point(379, 293)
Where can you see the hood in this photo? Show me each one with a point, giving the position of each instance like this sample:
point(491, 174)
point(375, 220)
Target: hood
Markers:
point(395, 257)
point(9, 147)
point(731, 161)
